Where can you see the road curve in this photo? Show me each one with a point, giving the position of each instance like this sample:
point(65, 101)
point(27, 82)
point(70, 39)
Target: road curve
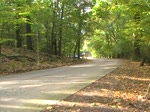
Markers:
point(33, 91)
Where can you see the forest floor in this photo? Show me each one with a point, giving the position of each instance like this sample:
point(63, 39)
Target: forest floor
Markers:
point(13, 60)
point(122, 90)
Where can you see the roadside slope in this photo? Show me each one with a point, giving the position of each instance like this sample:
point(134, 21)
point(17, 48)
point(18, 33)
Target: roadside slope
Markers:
point(20, 60)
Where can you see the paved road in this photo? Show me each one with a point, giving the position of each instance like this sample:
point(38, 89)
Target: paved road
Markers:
point(33, 91)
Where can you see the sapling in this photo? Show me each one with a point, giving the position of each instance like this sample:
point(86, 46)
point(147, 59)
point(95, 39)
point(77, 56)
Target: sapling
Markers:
point(148, 92)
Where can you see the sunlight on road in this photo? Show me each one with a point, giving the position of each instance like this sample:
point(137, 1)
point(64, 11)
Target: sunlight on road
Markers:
point(18, 107)
point(39, 101)
point(30, 104)
point(34, 91)
point(89, 65)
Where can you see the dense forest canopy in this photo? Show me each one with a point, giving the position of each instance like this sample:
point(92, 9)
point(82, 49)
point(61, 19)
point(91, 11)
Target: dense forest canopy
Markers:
point(110, 28)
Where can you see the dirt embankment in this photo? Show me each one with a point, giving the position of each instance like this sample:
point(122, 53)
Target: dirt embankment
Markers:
point(14, 60)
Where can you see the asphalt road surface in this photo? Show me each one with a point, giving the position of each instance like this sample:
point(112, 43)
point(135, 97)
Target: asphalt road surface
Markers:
point(33, 91)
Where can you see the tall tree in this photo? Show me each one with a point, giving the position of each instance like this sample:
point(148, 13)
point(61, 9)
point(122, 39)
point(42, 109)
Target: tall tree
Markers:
point(61, 30)
point(28, 33)
point(28, 27)
point(18, 28)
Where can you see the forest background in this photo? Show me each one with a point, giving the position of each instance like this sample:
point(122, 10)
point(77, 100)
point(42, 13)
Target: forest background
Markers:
point(67, 28)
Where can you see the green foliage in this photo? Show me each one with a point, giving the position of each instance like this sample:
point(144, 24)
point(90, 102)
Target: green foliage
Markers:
point(5, 40)
point(125, 27)
point(114, 28)
point(15, 13)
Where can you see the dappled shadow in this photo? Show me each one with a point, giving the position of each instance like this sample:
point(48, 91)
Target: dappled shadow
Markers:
point(122, 90)
point(32, 92)
point(30, 104)
point(84, 108)
point(135, 78)
point(87, 103)
point(103, 100)
point(18, 95)
point(112, 105)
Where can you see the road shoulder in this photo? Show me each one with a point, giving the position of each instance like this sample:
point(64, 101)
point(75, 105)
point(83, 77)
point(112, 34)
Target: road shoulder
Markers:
point(122, 90)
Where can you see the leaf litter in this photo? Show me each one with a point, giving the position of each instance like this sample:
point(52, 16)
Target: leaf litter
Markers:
point(122, 90)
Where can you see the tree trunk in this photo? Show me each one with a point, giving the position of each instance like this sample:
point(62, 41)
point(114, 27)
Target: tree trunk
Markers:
point(37, 48)
point(79, 44)
point(28, 31)
point(55, 45)
point(137, 53)
point(79, 33)
point(148, 92)
point(53, 31)
point(0, 49)
point(142, 62)
point(1, 37)
point(48, 42)
point(74, 53)
point(60, 31)
point(136, 36)
point(18, 37)
point(48, 37)
point(52, 38)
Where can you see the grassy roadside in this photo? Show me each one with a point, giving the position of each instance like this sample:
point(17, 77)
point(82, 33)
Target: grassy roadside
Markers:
point(123, 90)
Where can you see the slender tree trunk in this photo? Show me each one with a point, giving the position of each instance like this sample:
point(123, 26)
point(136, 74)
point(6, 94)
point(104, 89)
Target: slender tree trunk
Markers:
point(60, 32)
point(60, 43)
point(28, 31)
point(37, 47)
point(0, 49)
point(142, 62)
point(136, 37)
point(48, 37)
point(48, 42)
point(137, 54)
point(143, 56)
point(79, 34)
point(79, 46)
point(75, 49)
point(18, 37)
point(1, 37)
point(52, 38)
point(54, 43)
point(148, 92)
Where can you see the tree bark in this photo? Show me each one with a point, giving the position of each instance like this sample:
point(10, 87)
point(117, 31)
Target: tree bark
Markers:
point(55, 45)
point(79, 33)
point(53, 31)
point(137, 53)
point(1, 37)
point(60, 31)
point(37, 48)
point(52, 38)
point(136, 36)
point(79, 46)
point(28, 31)
point(148, 92)
point(18, 37)
point(142, 62)
point(0, 49)
point(74, 53)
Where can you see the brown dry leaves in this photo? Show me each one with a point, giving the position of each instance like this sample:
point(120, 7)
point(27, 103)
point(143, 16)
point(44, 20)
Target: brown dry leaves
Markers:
point(15, 60)
point(123, 90)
